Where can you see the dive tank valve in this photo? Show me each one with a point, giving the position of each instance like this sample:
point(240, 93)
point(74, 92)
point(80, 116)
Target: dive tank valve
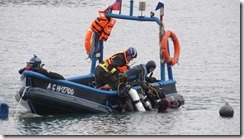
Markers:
point(147, 103)
point(135, 97)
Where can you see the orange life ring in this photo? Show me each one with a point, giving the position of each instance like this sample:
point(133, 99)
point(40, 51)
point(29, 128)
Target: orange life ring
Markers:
point(88, 40)
point(164, 45)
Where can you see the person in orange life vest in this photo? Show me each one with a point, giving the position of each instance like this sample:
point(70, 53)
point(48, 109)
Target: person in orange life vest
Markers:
point(110, 70)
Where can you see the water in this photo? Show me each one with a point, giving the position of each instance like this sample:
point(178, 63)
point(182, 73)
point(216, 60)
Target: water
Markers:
point(208, 74)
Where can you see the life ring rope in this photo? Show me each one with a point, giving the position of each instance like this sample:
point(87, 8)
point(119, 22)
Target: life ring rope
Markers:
point(164, 46)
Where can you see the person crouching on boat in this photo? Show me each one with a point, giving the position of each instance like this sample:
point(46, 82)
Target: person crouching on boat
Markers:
point(110, 70)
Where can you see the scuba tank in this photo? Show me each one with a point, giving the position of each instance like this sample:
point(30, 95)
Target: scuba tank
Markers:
point(146, 103)
point(135, 97)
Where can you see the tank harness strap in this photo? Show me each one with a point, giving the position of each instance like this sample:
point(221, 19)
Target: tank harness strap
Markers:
point(135, 102)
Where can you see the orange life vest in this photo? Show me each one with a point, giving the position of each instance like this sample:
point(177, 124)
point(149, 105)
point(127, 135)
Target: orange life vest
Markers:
point(99, 23)
point(108, 61)
point(102, 26)
point(107, 30)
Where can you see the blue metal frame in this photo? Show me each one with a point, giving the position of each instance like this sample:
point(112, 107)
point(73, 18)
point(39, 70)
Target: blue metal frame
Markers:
point(99, 44)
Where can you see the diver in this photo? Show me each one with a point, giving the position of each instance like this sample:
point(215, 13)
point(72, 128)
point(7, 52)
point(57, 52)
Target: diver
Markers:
point(137, 75)
point(151, 97)
point(35, 64)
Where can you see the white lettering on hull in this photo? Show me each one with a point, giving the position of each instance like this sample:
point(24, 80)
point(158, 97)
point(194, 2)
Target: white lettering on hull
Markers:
point(60, 88)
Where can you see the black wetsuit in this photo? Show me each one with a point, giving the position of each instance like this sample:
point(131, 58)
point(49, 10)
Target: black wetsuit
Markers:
point(137, 74)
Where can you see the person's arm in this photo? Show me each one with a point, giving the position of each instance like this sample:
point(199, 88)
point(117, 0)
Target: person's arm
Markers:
point(142, 77)
point(21, 70)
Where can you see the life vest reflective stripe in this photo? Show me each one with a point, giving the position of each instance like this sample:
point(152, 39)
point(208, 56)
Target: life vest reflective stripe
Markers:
point(108, 61)
point(106, 68)
point(103, 66)
point(89, 40)
point(165, 51)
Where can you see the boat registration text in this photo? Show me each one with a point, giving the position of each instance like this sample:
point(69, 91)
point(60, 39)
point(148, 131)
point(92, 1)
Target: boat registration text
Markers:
point(60, 88)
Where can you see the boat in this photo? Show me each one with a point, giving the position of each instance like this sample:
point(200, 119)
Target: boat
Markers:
point(49, 93)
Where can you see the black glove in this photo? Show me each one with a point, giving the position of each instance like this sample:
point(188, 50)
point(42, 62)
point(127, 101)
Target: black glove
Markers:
point(21, 70)
point(151, 79)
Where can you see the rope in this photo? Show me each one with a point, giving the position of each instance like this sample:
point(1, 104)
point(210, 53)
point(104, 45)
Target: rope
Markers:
point(150, 87)
point(118, 87)
point(20, 102)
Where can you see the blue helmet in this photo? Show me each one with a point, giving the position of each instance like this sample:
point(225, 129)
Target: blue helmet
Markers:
point(131, 52)
point(35, 61)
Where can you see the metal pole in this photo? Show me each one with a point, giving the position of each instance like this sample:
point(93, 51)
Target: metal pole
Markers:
point(131, 8)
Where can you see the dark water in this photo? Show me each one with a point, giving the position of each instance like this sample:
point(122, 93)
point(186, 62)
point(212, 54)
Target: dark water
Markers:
point(208, 74)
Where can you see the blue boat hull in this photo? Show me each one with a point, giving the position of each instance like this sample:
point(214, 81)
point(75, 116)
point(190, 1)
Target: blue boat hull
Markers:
point(46, 96)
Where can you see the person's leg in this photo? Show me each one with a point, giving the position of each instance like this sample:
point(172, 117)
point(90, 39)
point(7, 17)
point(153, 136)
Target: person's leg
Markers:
point(113, 82)
point(99, 76)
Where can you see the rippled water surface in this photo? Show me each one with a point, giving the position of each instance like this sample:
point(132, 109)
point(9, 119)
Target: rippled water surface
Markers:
point(208, 74)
